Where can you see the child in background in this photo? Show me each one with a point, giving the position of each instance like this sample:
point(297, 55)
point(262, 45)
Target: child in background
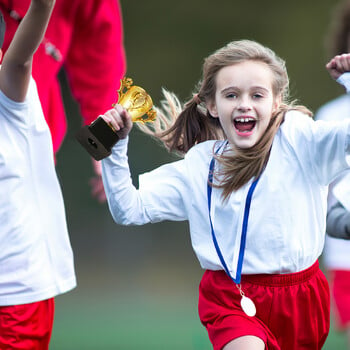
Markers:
point(253, 186)
point(336, 252)
point(36, 260)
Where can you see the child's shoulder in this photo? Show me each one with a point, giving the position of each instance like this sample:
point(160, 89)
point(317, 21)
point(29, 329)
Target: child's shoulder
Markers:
point(202, 152)
point(296, 120)
point(203, 148)
point(296, 127)
point(197, 159)
point(295, 114)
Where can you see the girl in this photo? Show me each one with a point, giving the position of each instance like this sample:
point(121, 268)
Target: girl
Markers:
point(253, 186)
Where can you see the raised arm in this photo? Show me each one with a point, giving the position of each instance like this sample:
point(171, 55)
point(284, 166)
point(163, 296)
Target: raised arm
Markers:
point(17, 63)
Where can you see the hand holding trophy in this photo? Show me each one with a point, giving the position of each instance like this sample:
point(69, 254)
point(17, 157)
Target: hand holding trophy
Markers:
point(98, 138)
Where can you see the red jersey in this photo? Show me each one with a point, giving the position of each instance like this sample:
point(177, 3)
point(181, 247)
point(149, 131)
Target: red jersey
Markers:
point(85, 37)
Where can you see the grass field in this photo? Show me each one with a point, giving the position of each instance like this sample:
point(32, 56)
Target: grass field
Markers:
point(132, 321)
point(119, 324)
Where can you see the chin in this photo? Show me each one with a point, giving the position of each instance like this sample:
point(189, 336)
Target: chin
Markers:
point(243, 144)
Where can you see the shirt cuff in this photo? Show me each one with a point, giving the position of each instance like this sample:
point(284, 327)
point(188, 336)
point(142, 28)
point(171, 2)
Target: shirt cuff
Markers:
point(121, 146)
point(344, 80)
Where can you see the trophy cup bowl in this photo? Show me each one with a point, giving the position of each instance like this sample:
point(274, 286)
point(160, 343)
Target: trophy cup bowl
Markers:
point(98, 138)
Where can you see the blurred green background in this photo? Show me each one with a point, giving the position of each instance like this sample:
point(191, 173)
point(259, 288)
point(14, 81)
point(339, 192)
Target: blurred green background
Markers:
point(138, 286)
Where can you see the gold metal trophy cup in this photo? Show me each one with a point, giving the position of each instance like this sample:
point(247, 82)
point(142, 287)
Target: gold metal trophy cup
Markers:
point(98, 138)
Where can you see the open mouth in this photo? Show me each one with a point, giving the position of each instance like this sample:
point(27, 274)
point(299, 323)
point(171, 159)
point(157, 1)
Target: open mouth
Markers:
point(244, 124)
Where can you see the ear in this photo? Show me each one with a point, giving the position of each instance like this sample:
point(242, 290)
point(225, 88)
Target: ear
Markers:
point(211, 106)
point(276, 104)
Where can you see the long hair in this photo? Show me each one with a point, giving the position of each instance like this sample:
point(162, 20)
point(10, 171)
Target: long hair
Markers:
point(180, 128)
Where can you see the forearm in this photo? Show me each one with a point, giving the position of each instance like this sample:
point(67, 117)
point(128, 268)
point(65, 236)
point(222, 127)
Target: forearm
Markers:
point(123, 198)
point(30, 32)
point(17, 63)
point(338, 222)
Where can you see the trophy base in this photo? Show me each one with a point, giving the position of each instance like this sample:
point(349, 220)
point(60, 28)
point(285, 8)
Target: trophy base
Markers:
point(97, 138)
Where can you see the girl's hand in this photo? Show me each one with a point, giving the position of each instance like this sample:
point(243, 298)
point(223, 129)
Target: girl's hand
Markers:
point(338, 65)
point(119, 119)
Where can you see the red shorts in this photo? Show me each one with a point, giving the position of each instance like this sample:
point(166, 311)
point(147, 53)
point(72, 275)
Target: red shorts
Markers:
point(293, 310)
point(339, 281)
point(27, 326)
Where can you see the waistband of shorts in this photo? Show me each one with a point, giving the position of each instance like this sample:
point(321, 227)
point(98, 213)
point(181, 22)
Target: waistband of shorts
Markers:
point(282, 279)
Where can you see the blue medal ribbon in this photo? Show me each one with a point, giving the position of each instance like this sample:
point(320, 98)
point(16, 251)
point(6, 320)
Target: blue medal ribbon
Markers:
point(236, 280)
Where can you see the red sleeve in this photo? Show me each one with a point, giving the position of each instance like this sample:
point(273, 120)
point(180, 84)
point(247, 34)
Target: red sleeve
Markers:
point(96, 58)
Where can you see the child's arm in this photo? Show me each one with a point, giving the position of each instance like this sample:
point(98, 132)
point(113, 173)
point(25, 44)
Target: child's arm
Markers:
point(338, 222)
point(17, 63)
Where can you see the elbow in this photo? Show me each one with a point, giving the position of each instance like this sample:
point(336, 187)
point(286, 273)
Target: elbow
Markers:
point(128, 214)
point(122, 219)
point(338, 227)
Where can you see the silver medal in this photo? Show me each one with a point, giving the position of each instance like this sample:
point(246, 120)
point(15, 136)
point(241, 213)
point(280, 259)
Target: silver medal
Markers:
point(248, 306)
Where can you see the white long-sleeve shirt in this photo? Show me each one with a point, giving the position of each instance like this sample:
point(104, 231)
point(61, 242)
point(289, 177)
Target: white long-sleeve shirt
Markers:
point(288, 210)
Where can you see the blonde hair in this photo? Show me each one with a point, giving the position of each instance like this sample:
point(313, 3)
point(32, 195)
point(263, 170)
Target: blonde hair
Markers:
point(179, 128)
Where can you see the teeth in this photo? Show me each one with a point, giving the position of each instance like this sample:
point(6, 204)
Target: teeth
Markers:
point(244, 120)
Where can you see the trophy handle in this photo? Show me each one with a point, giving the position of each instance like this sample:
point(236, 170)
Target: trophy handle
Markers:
point(125, 83)
point(98, 138)
point(148, 117)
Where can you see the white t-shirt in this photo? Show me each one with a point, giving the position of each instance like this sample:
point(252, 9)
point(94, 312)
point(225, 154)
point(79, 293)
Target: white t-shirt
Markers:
point(336, 251)
point(36, 260)
point(286, 226)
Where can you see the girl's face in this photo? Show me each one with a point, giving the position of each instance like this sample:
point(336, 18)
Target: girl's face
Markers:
point(244, 102)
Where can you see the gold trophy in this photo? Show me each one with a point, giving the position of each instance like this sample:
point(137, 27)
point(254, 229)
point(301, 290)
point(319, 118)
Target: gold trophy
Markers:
point(98, 138)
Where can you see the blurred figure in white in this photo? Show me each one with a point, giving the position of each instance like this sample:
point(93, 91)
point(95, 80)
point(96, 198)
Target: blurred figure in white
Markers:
point(336, 255)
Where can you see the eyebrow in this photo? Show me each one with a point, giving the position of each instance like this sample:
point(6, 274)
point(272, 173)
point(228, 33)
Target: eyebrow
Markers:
point(236, 88)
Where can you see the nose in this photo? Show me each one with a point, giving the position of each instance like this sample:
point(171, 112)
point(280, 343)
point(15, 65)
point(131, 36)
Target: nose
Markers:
point(244, 105)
